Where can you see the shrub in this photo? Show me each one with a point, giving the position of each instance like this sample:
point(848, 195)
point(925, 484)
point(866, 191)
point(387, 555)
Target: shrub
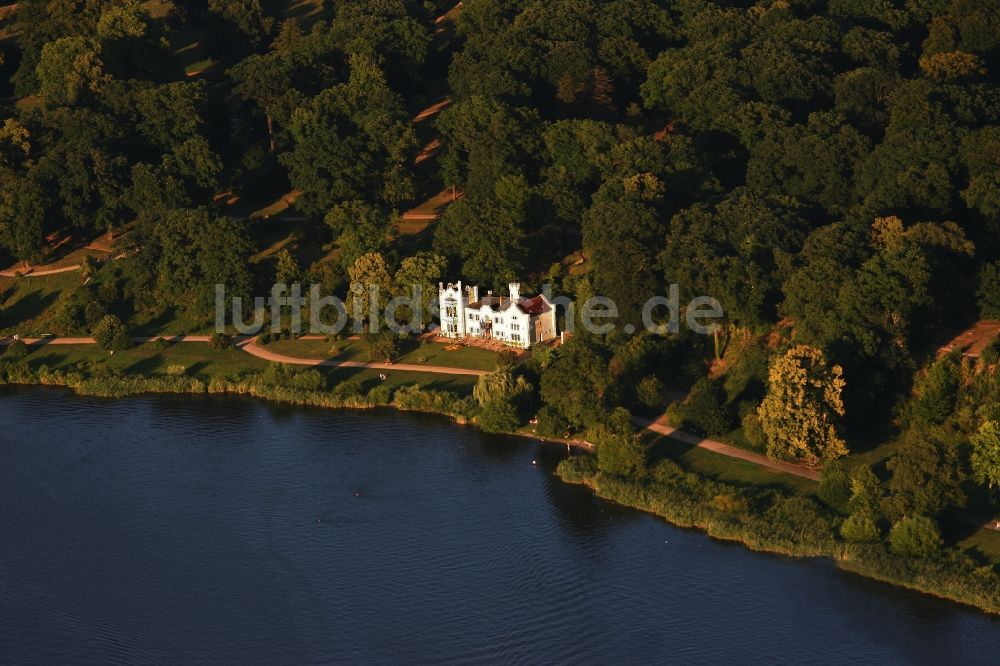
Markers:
point(666, 471)
point(988, 295)
point(176, 370)
point(542, 354)
point(380, 395)
point(991, 354)
point(383, 346)
point(414, 398)
point(621, 454)
point(497, 416)
point(551, 423)
point(916, 536)
point(345, 390)
point(753, 431)
point(860, 527)
point(16, 350)
point(220, 341)
point(705, 409)
point(577, 469)
point(835, 487)
point(281, 375)
point(650, 392)
point(111, 334)
point(937, 392)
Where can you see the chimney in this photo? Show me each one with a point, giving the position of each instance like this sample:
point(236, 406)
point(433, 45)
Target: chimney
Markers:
point(475, 293)
point(515, 291)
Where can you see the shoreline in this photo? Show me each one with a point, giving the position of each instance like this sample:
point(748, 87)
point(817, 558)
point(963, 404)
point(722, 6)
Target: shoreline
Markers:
point(847, 557)
point(857, 559)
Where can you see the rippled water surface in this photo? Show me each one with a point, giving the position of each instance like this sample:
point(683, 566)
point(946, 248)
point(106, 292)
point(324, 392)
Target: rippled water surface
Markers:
point(165, 530)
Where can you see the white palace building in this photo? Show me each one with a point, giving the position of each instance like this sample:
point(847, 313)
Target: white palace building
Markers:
point(515, 321)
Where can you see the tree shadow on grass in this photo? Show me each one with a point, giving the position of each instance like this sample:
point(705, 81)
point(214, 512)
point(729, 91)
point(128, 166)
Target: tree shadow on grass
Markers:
point(145, 366)
point(955, 530)
point(27, 308)
point(155, 325)
point(663, 447)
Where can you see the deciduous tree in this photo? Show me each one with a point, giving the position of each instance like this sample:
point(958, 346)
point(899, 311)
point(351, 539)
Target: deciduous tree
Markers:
point(802, 406)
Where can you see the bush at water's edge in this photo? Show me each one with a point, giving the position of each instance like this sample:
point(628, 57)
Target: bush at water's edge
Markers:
point(767, 520)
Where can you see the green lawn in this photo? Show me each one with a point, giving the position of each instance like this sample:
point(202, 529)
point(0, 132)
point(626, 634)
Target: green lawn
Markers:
point(724, 468)
point(201, 360)
point(26, 304)
point(981, 544)
point(431, 353)
point(197, 358)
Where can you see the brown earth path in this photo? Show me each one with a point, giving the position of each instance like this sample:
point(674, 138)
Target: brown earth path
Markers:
point(40, 273)
point(657, 426)
point(250, 347)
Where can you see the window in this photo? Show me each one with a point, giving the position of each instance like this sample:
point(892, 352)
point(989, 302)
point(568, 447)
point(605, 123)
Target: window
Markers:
point(515, 337)
point(515, 327)
point(451, 311)
point(453, 328)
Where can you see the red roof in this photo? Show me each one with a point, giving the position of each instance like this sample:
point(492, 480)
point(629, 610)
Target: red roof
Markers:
point(534, 306)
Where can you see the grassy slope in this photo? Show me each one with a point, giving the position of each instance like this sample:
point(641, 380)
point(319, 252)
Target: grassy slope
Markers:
point(200, 360)
point(27, 303)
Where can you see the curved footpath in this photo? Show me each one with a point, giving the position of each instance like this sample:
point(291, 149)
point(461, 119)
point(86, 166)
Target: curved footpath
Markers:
point(248, 345)
point(251, 347)
point(40, 273)
point(657, 426)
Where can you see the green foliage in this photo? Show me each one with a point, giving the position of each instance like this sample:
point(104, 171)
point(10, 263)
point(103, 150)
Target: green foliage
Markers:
point(705, 409)
point(351, 141)
point(937, 392)
point(620, 451)
point(835, 487)
point(15, 351)
point(382, 346)
point(283, 376)
point(111, 334)
point(575, 383)
point(497, 416)
point(414, 398)
point(220, 341)
point(916, 536)
point(650, 392)
point(194, 252)
point(985, 456)
point(621, 454)
point(866, 491)
point(551, 423)
point(988, 294)
point(577, 469)
point(860, 527)
point(287, 269)
point(802, 404)
point(926, 477)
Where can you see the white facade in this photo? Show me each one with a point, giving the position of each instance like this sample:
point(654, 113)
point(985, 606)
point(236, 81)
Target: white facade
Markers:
point(512, 320)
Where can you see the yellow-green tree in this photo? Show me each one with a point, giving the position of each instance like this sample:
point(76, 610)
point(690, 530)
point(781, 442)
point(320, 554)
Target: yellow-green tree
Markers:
point(985, 457)
point(803, 402)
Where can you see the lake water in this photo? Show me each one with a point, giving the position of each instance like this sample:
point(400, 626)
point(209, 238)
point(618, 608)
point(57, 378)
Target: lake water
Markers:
point(190, 529)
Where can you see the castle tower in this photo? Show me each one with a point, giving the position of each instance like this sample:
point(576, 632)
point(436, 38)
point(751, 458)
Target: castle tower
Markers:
point(452, 304)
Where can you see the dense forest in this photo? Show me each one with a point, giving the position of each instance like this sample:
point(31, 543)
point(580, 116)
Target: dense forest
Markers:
point(829, 170)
